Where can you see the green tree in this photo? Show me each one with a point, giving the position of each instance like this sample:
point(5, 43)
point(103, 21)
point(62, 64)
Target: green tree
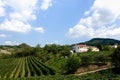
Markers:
point(72, 63)
point(116, 57)
point(99, 46)
point(101, 59)
point(37, 51)
point(52, 48)
point(86, 60)
point(65, 50)
point(107, 48)
point(24, 50)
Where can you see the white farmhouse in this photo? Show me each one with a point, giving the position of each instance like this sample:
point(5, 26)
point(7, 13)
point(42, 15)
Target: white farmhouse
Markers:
point(80, 48)
point(5, 51)
point(113, 46)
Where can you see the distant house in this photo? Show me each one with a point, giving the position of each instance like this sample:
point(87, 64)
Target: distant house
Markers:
point(83, 48)
point(113, 46)
point(93, 48)
point(80, 48)
point(5, 51)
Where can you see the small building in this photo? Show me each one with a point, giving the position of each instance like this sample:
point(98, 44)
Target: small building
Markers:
point(5, 51)
point(93, 48)
point(81, 47)
point(113, 46)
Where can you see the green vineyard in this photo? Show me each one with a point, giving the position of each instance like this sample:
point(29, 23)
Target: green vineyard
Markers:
point(23, 67)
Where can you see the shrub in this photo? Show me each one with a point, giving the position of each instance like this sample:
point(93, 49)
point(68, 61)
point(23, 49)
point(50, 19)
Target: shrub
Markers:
point(86, 60)
point(100, 59)
point(72, 63)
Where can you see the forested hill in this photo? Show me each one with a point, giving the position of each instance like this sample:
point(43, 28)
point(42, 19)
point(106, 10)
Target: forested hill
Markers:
point(102, 41)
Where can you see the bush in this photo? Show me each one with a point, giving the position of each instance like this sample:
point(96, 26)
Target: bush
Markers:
point(86, 60)
point(100, 59)
point(72, 63)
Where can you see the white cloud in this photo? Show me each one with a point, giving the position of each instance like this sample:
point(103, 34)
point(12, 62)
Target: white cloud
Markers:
point(79, 31)
point(87, 13)
point(15, 26)
point(2, 35)
point(100, 17)
point(11, 43)
point(39, 29)
point(46, 4)
point(2, 9)
point(22, 5)
point(99, 21)
point(18, 16)
point(20, 13)
point(53, 42)
point(23, 16)
point(22, 9)
point(111, 5)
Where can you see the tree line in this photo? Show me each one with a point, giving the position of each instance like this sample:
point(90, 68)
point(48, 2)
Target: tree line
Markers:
point(44, 53)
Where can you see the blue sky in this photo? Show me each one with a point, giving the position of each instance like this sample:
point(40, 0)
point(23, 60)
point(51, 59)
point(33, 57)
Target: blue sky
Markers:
point(58, 21)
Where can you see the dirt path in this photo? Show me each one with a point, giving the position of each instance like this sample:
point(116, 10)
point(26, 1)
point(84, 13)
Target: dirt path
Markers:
point(92, 71)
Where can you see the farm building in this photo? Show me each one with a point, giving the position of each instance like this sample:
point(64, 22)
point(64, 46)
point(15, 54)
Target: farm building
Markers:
point(81, 47)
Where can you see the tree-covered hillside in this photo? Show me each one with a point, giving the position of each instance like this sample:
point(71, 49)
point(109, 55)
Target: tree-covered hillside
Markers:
point(102, 41)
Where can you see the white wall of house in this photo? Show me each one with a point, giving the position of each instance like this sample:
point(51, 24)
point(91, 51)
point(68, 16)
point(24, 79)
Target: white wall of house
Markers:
point(5, 51)
point(83, 48)
point(113, 46)
point(78, 48)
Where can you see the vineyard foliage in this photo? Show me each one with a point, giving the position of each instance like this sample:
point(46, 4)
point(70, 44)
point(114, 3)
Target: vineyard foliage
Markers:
point(23, 67)
point(102, 75)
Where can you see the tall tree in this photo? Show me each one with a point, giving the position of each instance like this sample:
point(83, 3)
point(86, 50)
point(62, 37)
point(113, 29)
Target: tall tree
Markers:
point(99, 46)
point(24, 50)
point(72, 63)
point(116, 57)
point(65, 50)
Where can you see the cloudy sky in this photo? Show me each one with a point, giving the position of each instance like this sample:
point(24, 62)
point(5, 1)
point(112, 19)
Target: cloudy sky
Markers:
point(58, 21)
